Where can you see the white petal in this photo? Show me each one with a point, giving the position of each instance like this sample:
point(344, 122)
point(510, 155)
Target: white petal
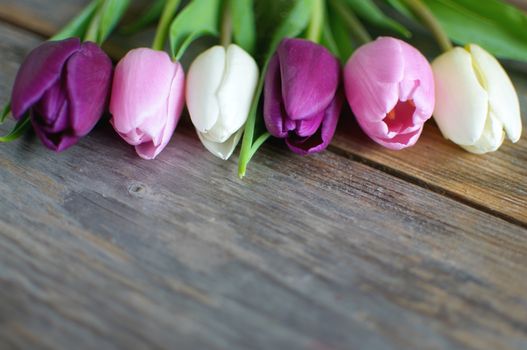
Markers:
point(503, 98)
point(221, 150)
point(461, 102)
point(203, 80)
point(492, 137)
point(235, 94)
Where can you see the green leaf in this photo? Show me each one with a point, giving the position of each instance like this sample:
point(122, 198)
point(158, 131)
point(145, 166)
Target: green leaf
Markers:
point(110, 13)
point(498, 27)
point(20, 129)
point(369, 11)
point(343, 39)
point(197, 19)
point(275, 20)
point(150, 16)
point(243, 25)
point(328, 40)
point(78, 26)
point(5, 112)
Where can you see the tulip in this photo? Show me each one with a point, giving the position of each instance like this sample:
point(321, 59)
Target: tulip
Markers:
point(147, 100)
point(64, 86)
point(476, 101)
point(302, 101)
point(220, 89)
point(390, 88)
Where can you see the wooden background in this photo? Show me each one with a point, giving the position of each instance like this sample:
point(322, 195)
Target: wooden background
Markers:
point(355, 248)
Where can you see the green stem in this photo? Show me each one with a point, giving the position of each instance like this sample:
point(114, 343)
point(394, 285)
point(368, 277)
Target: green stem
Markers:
point(353, 23)
point(20, 129)
point(247, 149)
point(428, 19)
point(258, 143)
point(316, 25)
point(169, 11)
point(226, 24)
point(92, 34)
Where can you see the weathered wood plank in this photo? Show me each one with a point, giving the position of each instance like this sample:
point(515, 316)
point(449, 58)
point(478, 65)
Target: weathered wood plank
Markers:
point(99, 249)
point(494, 183)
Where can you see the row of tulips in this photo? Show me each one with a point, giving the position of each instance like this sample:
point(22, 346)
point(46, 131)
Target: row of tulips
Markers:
point(63, 88)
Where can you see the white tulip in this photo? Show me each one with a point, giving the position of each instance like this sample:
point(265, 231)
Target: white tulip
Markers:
point(220, 87)
point(476, 103)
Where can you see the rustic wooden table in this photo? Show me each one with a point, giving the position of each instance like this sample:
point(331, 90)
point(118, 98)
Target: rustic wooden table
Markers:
point(356, 248)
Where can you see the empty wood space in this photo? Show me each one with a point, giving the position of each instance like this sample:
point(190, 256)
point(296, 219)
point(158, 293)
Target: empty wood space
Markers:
point(355, 248)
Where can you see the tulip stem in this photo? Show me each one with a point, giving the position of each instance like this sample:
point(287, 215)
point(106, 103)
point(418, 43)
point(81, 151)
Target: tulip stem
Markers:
point(316, 25)
point(92, 34)
point(354, 24)
point(226, 24)
point(19, 129)
point(169, 11)
point(258, 143)
point(427, 18)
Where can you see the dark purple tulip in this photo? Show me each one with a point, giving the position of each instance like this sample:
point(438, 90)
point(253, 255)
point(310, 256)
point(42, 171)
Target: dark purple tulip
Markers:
point(64, 85)
point(302, 101)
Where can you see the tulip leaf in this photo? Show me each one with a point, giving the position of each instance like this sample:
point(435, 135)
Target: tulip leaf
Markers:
point(197, 19)
point(110, 14)
point(493, 24)
point(20, 129)
point(150, 15)
point(370, 12)
point(276, 20)
point(243, 25)
point(78, 26)
point(5, 112)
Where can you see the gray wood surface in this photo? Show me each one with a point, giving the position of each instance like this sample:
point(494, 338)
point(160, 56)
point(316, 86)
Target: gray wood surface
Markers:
point(102, 250)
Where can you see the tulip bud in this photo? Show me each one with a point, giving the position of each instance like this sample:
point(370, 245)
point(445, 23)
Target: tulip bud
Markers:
point(390, 88)
point(147, 100)
point(476, 103)
point(64, 85)
point(302, 101)
point(220, 89)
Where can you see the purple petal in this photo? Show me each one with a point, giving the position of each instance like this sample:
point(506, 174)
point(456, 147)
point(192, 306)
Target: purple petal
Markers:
point(55, 141)
point(49, 110)
point(89, 76)
point(40, 70)
point(310, 77)
point(322, 138)
point(307, 127)
point(275, 117)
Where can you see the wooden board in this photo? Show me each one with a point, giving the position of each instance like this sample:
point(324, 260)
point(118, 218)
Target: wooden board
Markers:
point(99, 249)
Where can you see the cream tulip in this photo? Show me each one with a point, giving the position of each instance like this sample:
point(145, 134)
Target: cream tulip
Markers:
point(220, 88)
point(476, 103)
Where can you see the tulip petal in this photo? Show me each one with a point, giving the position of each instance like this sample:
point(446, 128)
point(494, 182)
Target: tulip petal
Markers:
point(55, 141)
point(310, 77)
point(503, 98)
point(141, 85)
point(49, 110)
point(275, 117)
point(491, 139)
point(40, 70)
point(320, 140)
point(176, 100)
point(461, 102)
point(235, 94)
point(223, 150)
point(203, 81)
point(89, 74)
point(372, 77)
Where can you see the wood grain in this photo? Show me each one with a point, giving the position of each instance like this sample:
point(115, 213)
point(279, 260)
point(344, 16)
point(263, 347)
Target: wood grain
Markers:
point(99, 249)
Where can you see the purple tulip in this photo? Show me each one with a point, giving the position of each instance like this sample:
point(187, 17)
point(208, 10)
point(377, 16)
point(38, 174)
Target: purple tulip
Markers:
point(302, 99)
point(64, 85)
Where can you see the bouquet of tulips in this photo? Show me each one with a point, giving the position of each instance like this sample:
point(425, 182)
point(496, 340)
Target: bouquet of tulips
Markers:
point(282, 68)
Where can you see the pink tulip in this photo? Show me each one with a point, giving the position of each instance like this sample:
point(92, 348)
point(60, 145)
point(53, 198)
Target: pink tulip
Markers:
point(390, 88)
point(147, 100)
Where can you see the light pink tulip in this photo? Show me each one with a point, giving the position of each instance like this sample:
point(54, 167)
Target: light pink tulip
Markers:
point(147, 99)
point(390, 88)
